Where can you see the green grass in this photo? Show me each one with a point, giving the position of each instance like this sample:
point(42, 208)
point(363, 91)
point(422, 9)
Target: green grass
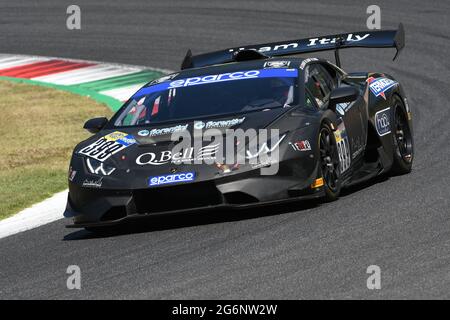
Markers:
point(39, 127)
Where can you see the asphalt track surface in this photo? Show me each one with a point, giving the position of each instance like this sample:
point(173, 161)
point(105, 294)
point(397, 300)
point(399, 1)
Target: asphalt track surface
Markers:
point(401, 224)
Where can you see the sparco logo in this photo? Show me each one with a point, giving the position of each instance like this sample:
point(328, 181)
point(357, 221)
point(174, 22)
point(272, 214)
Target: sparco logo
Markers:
point(382, 121)
point(239, 75)
point(171, 178)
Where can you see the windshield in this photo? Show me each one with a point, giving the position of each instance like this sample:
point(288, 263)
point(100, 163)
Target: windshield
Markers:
point(210, 95)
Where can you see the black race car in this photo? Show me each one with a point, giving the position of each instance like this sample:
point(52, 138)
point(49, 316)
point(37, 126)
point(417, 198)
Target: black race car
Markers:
point(167, 149)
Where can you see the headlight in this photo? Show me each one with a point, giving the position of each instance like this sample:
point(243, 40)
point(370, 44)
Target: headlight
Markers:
point(97, 167)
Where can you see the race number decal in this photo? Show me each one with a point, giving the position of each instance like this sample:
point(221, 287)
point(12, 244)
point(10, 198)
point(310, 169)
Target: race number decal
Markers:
point(108, 145)
point(343, 147)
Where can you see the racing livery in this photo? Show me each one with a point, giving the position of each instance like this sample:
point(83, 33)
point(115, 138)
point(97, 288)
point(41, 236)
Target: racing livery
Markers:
point(333, 129)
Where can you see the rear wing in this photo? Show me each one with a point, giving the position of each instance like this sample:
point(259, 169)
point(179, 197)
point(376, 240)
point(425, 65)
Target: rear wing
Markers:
point(364, 39)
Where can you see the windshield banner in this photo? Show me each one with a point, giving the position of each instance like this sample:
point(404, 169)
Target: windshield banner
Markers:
point(215, 78)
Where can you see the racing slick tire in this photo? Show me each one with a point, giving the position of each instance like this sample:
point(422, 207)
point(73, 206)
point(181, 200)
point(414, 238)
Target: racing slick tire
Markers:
point(329, 162)
point(402, 140)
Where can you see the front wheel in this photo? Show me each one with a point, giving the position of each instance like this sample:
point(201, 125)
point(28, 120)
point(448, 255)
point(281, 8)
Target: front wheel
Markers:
point(402, 141)
point(329, 163)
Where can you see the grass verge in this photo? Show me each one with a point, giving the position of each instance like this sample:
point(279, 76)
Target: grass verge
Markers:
point(39, 127)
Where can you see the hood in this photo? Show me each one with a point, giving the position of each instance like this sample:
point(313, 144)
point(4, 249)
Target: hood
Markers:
point(137, 152)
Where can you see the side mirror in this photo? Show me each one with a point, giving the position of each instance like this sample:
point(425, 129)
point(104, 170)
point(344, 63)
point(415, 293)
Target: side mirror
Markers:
point(341, 95)
point(95, 125)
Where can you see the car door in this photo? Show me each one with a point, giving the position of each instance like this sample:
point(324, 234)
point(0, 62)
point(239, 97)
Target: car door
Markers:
point(354, 115)
point(321, 80)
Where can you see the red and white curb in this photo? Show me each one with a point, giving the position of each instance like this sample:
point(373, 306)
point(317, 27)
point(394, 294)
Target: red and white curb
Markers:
point(115, 81)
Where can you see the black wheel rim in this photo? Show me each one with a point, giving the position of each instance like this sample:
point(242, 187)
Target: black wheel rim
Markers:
point(402, 134)
point(329, 159)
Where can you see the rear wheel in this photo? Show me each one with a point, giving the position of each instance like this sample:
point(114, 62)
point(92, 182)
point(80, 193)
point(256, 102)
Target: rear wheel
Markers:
point(329, 163)
point(402, 140)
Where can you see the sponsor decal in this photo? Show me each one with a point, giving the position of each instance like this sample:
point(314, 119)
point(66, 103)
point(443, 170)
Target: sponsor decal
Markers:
point(205, 153)
point(218, 124)
point(72, 173)
point(383, 121)
point(277, 47)
point(310, 42)
point(324, 41)
point(143, 133)
point(342, 108)
point(203, 150)
point(93, 183)
point(264, 149)
point(121, 137)
point(357, 152)
point(170, 130)
point(358, 145)
point(108, 145)
point(164, 79)
point(302, 145)
point(379, 86)
point(277, 64)
point(97, 167)
point(216, 78)
point(238, 75)
point(263, 164)
point(199, 125)
point(306, 61)
point(343, 147)
point(171, 178)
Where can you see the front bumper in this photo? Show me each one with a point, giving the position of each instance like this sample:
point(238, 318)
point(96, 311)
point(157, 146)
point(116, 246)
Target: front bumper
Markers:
point(90, 207)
